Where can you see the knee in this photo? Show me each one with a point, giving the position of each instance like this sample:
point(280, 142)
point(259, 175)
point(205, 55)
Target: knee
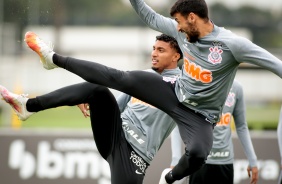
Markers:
point(96, 92)
point(197, 160)
point(197, 155)
point(199, 150)
point(101, 90)
point(190, 162)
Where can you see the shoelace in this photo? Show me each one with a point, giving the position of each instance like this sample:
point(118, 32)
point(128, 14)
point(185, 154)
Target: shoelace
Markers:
point(50, 45)
point(22, 95)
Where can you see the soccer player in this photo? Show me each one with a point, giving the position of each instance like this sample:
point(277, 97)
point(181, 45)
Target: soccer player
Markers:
point(212, 55)
point(128, 141)
point(195, 100)
point(219, 165)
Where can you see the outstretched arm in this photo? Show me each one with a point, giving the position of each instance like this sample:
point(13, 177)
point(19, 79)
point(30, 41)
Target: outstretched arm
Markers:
point(246, 51)
point(154, 20)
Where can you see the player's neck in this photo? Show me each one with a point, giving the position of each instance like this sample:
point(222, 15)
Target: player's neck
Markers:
point(205, 28)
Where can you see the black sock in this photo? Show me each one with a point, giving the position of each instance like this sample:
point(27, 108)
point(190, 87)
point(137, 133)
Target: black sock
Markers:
point(168, 177)
point(33, 105)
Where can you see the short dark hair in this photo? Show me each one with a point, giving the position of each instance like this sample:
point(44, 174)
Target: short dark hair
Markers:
point(184, 7)
point(172, 41)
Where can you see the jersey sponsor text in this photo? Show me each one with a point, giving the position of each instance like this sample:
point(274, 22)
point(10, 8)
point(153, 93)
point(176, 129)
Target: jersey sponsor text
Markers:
point(219, 154)
point(196, 72)
point(224, 120)
point(132, 133)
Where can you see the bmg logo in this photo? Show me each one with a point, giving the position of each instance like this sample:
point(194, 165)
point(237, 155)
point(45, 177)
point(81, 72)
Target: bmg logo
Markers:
point(69, 160)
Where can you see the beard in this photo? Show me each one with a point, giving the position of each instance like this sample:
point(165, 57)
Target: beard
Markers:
point(193, 37)
point(193, 34)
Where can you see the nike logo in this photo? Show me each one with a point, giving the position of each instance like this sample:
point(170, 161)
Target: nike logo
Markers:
point(137, 172)
point(208, 120)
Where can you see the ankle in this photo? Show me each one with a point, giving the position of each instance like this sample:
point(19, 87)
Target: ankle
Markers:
point(59, 60)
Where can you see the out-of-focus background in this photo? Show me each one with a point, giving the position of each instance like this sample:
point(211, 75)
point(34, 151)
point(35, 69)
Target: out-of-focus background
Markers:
point(51, 145)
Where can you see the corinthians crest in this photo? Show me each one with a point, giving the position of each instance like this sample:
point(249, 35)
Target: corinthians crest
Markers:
point(230, 101)
point(215, 55)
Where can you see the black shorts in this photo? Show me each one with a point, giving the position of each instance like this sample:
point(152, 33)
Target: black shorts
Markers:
point(210, 173)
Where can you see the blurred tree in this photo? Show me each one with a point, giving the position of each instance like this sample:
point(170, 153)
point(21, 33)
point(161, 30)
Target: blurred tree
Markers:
point(262, 23)
point(15, 14)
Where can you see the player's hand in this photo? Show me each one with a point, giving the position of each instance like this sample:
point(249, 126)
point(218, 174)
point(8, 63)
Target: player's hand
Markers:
point(253, 174)
point(84, 109)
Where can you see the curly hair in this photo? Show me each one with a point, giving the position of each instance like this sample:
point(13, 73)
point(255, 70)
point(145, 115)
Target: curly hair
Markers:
point(172, 41)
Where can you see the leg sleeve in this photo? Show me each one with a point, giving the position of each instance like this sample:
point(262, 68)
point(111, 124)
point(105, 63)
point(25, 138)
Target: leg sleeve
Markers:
point(69, 95)
point(195, 131)
point(104, 111)
point(146, 86)
point(106, 122)
point(197, 135)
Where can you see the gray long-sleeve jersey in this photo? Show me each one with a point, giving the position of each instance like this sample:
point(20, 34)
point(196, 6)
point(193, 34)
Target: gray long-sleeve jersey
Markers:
point(210, 64)
point(222, 150)
point(145, 126)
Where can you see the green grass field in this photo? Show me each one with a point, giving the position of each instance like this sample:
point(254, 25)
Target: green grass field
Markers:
point(62, 117)
point(259, 118)
point(263, 117)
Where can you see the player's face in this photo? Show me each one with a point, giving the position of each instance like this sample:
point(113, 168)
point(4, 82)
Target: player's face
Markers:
point(163, 56)
point(188, 26)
